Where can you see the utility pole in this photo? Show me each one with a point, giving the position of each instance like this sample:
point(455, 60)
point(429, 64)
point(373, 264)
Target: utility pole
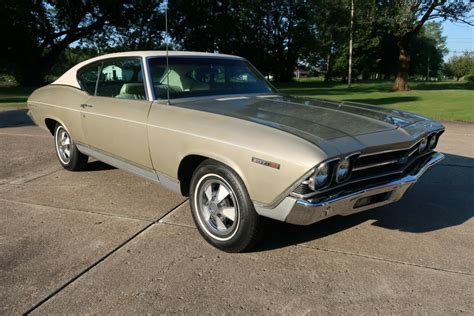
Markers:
point(349, 76)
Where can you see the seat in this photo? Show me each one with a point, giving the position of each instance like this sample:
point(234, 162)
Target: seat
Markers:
point(132, 91)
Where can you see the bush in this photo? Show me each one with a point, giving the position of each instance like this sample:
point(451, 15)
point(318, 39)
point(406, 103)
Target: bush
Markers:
point(469, 77)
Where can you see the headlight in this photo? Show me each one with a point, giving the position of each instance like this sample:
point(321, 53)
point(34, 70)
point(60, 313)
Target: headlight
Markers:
point(433, 142)
point(423, 145)
point(343, 170)
point(321, 176)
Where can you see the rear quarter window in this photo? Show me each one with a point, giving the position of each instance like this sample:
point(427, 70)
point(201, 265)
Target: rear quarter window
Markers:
point(87, 78)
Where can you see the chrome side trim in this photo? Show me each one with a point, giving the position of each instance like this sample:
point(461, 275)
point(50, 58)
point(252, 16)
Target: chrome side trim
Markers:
point(169, 182)
point(305, 212)
point(144, 172)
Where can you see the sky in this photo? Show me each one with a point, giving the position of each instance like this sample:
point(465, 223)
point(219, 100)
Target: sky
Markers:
point(460, 38)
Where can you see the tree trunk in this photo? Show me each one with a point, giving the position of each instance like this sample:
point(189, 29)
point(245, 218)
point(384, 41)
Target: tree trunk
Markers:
point(349, 75)
point(30, 74)
point(401, 81)
point(327, 72)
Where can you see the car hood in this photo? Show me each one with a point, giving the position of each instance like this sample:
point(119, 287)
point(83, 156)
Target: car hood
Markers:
point(318, 121)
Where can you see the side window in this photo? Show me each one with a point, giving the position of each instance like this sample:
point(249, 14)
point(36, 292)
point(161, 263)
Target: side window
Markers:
point(122, 79)
point(87, 78)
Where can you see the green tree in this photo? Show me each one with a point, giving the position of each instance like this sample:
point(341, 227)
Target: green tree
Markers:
point(271, 33)
point(329, 32)
point(459, 66)
point(35, 33)
point(428, 50)
point(405, 19)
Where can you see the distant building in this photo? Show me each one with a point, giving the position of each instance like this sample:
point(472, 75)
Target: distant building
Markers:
point(300, 73)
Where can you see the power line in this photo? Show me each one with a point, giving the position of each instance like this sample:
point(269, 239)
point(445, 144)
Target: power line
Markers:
point(461, 52)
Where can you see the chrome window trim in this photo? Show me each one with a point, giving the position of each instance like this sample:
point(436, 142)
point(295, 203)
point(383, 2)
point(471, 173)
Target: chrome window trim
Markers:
point(149, 79)
point(145, 80)
point(101, 64)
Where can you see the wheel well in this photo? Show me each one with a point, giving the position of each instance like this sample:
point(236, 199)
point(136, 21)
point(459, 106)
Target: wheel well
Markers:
point(50, 124)
point(186, 169)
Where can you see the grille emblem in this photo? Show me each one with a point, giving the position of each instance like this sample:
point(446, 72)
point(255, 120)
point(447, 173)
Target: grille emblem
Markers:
point(403, 160)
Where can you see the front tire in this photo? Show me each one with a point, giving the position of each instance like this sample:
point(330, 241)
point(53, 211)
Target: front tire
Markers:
point(68, 155)
point(222, 209)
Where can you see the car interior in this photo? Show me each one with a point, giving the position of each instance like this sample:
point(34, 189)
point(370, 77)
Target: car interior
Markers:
point(200, 78)
point(123, 79)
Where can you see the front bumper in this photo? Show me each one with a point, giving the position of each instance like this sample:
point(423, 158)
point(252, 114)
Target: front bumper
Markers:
point(308, 211)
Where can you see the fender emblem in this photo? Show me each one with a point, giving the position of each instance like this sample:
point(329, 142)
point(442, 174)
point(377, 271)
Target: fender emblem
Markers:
point(266, 163)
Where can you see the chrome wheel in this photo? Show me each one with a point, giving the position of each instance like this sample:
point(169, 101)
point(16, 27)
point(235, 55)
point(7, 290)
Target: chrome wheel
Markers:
point(63, 145)
point(218, 210)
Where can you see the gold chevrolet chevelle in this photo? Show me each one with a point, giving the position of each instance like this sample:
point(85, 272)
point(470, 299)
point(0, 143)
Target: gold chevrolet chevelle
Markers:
point(209, 126)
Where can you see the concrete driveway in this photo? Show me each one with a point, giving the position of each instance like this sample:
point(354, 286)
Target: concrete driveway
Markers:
point(104, 241)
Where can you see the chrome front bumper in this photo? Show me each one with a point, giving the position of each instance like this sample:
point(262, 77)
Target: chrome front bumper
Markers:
point(307, 211)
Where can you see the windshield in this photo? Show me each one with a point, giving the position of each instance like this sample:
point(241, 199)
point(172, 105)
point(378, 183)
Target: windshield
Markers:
point(205, 76)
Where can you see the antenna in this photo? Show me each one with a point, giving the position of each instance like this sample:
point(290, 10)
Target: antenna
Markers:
point(167, 59)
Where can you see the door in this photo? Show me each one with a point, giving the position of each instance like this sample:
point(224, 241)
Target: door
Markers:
point(114, 118)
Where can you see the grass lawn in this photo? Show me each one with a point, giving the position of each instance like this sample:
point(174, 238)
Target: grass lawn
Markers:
point(450, 101)
point(439, 100)
point(12, 97)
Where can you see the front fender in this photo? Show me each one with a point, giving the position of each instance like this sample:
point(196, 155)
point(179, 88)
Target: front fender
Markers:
point(175, 133)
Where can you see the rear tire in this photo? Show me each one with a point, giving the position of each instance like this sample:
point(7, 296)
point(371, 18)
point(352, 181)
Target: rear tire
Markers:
point(68, 155)
point(222, 209)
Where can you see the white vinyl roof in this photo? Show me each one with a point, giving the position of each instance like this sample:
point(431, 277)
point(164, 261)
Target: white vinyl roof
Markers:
point(70, 77)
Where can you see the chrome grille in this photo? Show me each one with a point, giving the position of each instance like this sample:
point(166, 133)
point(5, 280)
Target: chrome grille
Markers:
point(371, 167)
point(302, 189)
point(380, 165)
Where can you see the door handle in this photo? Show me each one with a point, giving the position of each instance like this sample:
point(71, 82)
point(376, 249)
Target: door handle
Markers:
point(85, 105)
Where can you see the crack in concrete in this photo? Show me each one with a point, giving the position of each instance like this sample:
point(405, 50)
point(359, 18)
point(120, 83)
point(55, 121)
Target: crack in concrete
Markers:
point(27, 135)
point(39, 175)
point(28, 178)
point(103, 258)
point(178, 225)
point(347, 253)
point(78, 210)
